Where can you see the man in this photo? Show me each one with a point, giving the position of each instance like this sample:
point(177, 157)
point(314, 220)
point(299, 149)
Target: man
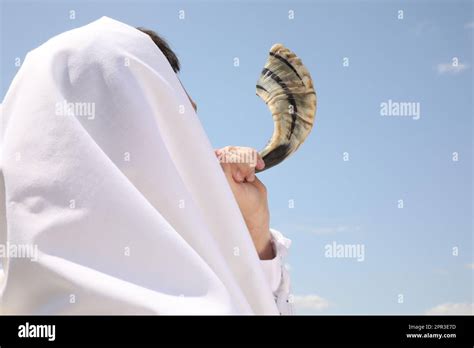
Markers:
point(116, 192)
point(248, 190)
point(239, 165)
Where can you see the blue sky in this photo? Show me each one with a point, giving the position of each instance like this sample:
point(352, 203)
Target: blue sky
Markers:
point(408, 251)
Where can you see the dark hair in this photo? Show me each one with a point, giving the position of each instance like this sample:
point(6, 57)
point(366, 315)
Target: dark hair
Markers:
point(164, 47)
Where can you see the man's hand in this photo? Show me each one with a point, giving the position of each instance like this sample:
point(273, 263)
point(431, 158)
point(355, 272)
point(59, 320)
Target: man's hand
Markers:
point(239, 165)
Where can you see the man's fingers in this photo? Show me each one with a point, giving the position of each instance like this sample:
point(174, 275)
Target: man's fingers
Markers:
point(237, 175)
point(260, 162)
point(242, 162)
point(251, 176)
point(242, 172)
point(234, 171)
point(241, 155)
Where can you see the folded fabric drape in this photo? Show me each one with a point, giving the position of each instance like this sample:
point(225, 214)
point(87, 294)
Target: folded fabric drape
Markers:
point(110, 180)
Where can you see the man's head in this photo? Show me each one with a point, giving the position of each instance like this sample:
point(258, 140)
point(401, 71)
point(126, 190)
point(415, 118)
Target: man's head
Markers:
point(168, 53)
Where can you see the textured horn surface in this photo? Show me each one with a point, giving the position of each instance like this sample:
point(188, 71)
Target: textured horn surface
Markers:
point(285, 85)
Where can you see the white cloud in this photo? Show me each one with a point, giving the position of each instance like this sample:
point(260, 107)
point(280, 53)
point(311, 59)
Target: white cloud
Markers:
point(469, 25)
point(449, 68)
point(452, 308)
point(314, 303)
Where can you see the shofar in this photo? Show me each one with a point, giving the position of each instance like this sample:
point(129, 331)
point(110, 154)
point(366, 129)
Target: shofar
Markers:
point(285, 85)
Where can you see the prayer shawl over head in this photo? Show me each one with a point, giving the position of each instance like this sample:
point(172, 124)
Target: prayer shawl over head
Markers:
point(110, 181)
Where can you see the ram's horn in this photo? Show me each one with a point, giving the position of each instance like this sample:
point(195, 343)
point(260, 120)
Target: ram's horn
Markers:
point(285, 85)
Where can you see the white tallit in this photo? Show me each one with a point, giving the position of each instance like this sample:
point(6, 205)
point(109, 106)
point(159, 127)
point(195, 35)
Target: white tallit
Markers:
point(119, 190)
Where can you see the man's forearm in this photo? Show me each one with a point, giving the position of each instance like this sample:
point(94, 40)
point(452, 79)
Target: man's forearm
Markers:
point(263, 243)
